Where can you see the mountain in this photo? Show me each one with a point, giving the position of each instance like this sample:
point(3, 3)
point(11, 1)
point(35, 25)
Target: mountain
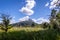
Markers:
point(25, 23)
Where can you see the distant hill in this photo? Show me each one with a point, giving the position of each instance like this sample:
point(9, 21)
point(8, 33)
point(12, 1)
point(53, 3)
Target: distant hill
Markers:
point(25, 23)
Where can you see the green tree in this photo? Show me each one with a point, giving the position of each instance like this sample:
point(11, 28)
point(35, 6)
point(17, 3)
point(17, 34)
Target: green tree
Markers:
point(5, 22)
point(46, 25)
point(58, 19)
point(53, 18)
point(33, 24)
point(55, 15)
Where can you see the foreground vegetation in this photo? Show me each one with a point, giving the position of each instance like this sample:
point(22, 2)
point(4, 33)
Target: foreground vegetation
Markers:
point(30, 34)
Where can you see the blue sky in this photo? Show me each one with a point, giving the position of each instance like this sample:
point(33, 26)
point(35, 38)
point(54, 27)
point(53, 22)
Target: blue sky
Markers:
point(12, 7)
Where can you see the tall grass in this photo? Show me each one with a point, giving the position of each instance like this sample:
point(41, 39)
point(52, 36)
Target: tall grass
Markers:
point(27, 29)
point(30, 35)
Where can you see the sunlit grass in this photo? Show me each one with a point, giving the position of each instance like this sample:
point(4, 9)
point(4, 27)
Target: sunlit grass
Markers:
point(29, 33)
point(27, 29)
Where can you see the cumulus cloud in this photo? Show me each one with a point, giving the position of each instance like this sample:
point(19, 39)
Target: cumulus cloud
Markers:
point(54, 3)
point(40, 20)
point(24, 18)
point(30, 4)
point(12, 20)
point(27, 11)
point(0, 21)
point(28, 7)
point(47, 4)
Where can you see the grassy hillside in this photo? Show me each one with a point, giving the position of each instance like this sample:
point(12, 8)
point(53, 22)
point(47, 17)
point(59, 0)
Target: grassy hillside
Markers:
point(30, 33)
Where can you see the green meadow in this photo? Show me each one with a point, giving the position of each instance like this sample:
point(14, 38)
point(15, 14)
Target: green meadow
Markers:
point(29, 33)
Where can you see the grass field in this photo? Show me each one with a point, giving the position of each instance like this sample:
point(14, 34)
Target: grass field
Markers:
point(27, 29)
point(30, 33)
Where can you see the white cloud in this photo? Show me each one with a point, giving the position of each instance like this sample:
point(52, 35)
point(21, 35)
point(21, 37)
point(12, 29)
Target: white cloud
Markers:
point(30, 4)
point(27, 11)
point(0, 21)
point(52, 6)
point(28, 7)
point(40, 20)
point(53, 3)
point(47, 4)
point(12, 20)
point(24, 18)
point(13, 17)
